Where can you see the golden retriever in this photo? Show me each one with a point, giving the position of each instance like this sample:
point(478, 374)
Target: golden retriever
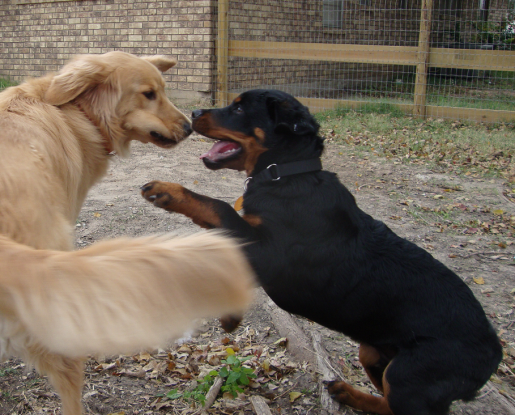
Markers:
point(56, 133)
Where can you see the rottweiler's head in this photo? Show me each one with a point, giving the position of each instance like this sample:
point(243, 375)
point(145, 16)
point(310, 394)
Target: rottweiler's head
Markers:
point(265, 125)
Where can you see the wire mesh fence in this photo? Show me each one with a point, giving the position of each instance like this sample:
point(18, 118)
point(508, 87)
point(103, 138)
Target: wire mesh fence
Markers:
point(433, 58)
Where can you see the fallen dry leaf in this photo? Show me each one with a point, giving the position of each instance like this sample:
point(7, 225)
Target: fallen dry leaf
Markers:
point(281, 342)
point(479, 280)
point(294, 395)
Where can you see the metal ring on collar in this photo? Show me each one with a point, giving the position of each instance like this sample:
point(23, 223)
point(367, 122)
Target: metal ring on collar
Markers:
point(278, 177)
point(246, 183)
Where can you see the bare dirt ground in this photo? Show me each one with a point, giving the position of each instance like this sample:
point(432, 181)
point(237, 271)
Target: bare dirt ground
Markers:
point(467, 223)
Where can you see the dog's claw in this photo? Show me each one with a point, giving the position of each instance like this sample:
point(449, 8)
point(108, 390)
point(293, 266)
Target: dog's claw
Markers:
point(146, 186)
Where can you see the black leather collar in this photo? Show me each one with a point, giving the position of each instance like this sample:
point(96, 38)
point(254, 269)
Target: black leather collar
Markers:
point(274, 172)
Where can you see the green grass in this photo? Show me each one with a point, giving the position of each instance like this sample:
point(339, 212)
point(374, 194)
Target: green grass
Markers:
point(7, 371)
point(461, 147)
point(7, 396)
point(495, 91)
point(432, 216)
point(5, 83)
point(369, 108)
point(499, 101)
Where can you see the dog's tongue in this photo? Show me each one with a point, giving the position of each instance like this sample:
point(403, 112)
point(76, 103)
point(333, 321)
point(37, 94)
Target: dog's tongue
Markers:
point(220, 150)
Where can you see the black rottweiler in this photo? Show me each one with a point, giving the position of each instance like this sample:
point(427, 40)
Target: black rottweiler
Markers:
point(425, 339)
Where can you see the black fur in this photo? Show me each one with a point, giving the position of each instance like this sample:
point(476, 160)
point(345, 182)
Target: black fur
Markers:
point(318, 255)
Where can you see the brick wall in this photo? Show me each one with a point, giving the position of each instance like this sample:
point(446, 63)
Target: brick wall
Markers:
point(499, 11)
point(36, 38)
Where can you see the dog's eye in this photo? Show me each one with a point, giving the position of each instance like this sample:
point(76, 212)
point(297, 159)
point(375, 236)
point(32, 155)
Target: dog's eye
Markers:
point(238, 110)
point(150, 95)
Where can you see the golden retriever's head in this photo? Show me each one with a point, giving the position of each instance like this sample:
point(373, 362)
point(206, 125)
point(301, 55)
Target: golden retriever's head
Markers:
point(124, 96)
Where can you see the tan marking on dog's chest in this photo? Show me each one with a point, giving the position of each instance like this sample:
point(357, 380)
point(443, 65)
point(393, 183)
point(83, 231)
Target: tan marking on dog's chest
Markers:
point(253, 220)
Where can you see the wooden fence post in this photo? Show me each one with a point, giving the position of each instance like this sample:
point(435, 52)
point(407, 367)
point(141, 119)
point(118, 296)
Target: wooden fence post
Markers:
point(419, 105)
point(222, 52)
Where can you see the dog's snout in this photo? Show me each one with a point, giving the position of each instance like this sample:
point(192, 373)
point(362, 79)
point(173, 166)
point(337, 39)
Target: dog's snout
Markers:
point(196, 113)
point(187, 128)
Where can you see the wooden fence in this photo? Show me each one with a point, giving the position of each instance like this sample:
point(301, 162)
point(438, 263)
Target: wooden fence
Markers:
point(422, 57)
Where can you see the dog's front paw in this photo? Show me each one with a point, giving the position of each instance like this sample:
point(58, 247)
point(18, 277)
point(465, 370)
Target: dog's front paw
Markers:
point(340, 391)
point(163, 194)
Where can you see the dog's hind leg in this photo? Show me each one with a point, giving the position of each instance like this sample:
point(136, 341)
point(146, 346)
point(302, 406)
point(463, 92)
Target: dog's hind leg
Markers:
point(374, 362)
point(347, 395)
point(422, 380)
point(67, 377)
point(407, 388)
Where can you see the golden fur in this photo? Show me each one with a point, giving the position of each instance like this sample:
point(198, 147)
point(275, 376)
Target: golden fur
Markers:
point(54, 132)
point(116, 296)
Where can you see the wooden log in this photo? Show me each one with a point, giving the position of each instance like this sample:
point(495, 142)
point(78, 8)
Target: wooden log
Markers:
point(327, 373)
point(298, 343)
point(260, 406)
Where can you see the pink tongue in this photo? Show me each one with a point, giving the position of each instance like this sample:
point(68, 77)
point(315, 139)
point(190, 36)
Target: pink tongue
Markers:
point(218, 150)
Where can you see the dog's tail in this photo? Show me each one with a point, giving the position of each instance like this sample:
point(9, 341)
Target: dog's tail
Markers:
point(121, 295)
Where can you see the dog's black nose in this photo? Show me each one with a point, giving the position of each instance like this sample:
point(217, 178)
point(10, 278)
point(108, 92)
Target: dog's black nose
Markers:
point(196, 113)
point(187, 128)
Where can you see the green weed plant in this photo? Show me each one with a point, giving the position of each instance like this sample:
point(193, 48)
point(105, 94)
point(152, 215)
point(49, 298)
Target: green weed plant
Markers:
point(236, 378)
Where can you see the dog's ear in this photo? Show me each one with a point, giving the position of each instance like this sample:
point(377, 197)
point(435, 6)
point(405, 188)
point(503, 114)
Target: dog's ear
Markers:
point(82, 73)
point(290, 118)
point(161, 62)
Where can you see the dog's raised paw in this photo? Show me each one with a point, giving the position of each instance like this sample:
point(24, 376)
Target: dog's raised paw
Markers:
point(147, 188)
point(163, 194)
point(153, 192)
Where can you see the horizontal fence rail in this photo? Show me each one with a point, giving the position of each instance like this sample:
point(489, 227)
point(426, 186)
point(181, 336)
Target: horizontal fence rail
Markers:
point(388, 55)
